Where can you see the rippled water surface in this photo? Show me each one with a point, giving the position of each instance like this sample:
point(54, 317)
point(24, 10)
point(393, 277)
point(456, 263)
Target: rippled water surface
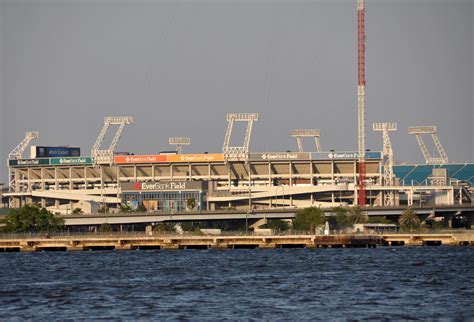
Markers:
point(393, 283)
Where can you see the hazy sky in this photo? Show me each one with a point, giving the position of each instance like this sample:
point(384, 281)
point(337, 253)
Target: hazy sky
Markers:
point(178, 66)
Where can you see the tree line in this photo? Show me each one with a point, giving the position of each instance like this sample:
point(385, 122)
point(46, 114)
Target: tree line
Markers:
point(31, 218)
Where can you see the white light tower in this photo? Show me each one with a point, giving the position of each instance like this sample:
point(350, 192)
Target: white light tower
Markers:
point(179, 142)
point(238, 153)
point(313, 133)
point(107, 156)
point(387, 151)
point(17, 153)
point(418, 131)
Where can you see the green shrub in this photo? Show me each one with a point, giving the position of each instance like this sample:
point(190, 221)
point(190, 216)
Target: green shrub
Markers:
point(32, 219)
point(105, 228)
point(309, 219)
point(278, 224)
point(342, 220)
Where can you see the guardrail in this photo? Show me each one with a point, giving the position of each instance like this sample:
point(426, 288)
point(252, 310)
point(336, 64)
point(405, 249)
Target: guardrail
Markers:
point(119, 234)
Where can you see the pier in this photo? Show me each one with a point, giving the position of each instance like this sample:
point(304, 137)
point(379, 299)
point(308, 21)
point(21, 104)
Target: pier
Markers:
point(429, 239)
point(176, 242)
point(124, 242)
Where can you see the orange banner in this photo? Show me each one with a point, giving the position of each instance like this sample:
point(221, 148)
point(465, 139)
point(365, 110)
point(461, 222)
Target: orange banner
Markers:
point(140, 158)
point(195, 157)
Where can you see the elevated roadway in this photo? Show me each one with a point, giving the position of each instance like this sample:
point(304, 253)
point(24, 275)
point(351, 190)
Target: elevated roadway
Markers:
point(287, 213)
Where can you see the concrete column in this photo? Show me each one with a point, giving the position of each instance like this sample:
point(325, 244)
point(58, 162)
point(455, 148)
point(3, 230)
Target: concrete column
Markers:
point(70, 178)
point(332, 171)
point(355, 173)
point(85, 178)
point(56, 183)
point(269, 173)
point(29, 179)
point(290, 172)
point(117, 171)
point(43, 185)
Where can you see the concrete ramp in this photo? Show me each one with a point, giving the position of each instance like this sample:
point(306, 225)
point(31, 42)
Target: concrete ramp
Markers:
point(74, 196)
point(277, 191)
point(259, 223)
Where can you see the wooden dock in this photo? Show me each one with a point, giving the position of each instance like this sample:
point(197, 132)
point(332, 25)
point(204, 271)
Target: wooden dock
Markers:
point(142, 241)
point(114, 242)
point(427, 239)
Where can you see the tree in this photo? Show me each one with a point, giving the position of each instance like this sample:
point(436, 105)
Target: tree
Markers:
point(379, 220)
point(77, 211)
point(124, 208)
point(309, 219)
point(278, 224)
point(105, 228)
point(102, 210)
point(342, 220)
point(165, 227)
point(191, 203)
point(187, 225)
point(409, 219)
point(358, 216)
point(31, 218)
point(141, 208)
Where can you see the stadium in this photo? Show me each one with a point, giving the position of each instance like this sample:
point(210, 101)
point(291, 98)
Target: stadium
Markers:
point(234, 178)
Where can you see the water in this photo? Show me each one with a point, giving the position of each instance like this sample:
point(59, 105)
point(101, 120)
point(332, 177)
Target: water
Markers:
point(382, 283)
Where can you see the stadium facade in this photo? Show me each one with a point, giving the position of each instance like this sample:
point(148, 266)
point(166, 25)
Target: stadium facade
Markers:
point(244, 181)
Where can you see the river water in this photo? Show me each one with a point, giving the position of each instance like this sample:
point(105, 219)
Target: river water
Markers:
point(381, 283)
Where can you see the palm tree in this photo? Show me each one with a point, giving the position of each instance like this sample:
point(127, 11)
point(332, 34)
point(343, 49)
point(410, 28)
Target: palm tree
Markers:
point(358, 215)
point(409, 219)
point(342, 218)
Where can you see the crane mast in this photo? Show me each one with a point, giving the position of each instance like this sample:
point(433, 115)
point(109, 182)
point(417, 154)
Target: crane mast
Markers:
point(361, 97)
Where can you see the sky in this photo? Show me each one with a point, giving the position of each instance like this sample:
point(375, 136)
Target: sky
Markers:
point(178, 67)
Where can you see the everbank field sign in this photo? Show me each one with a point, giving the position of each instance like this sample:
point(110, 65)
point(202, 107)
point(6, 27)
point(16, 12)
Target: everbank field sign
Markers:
point(140, 158)
point(162, 186)
point(123, 159)
point(275, 156)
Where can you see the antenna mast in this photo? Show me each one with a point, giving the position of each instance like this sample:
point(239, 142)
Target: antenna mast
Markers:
point(361, 97)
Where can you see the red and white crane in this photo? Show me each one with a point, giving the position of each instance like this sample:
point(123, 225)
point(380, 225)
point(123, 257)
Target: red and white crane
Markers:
point(361, 97)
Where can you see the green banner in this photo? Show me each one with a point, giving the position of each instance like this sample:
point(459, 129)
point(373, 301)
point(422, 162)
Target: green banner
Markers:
point(51, 161)
point(27, 162)
point(71, 161)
